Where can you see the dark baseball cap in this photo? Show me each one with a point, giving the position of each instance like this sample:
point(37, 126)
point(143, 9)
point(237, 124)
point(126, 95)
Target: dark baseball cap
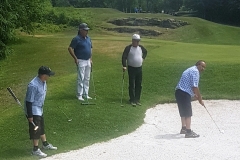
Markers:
point(45, 70)
point(83, 26)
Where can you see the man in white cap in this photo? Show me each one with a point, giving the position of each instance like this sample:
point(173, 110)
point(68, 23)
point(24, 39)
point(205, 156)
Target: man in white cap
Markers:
point(132, 59)
point(81, 51)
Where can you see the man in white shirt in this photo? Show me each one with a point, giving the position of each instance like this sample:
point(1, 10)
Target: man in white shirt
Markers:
point(132, 59)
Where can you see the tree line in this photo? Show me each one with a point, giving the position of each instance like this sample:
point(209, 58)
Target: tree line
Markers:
point(227, 11)
point(15, 14)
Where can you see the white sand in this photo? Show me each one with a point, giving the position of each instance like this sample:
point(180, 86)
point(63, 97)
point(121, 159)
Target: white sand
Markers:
point(159, 139)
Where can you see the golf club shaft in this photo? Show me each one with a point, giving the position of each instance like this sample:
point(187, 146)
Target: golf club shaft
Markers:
point(19, 103)
point(122, 86)
point(93, 82)
point(212, 119)
point(64, 113)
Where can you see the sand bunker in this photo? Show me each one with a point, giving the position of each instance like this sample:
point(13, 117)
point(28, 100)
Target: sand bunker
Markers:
point(159, 139)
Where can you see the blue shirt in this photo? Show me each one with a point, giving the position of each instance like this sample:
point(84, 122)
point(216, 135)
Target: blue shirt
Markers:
point(189, 79)
point(36, 93)
point(82, 47)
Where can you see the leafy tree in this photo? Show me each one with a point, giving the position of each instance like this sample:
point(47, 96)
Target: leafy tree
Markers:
point(18, 14)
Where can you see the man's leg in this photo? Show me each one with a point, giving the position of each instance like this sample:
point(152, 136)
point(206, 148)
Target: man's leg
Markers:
point(80, 78)
point(131, 76)
point(188, 122)
point(138, 85)
point(35, 136)
point(183, 120)
point(46, 145)
point(86, 80)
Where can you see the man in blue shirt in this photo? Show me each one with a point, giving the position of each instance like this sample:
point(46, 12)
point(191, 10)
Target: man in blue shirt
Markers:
point(187, 88)
point(34, 101)
point(80, 49)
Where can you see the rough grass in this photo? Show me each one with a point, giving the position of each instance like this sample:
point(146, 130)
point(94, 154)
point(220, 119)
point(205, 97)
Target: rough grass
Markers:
point(162, 69)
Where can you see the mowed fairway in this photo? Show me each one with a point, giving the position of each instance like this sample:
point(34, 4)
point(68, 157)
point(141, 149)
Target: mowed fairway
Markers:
point(165, 62)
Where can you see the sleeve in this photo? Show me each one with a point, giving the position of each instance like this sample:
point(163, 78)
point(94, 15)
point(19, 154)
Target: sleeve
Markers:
point(29, 109)
point(124, 56)
point(31, 92)
point(73, 43)
point(144, 51)
point(195, 78)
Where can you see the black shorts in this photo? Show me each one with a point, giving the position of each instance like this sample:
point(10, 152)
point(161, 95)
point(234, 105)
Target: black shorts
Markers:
point(184, 103)
point(39, 121)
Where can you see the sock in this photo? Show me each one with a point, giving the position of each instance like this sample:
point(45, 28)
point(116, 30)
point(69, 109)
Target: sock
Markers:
point(35, 148)
point(184, 128)
point(45, 143)
point(189, 130)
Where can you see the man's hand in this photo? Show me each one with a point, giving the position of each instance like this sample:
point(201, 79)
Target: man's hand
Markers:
point(201, 102)
point(30, 120)
point(124, 69)
point(76, 61)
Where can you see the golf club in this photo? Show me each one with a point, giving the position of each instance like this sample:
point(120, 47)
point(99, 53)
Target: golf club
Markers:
point(122, 88)
point(69, 120)
point(94, 91)
point(221, 131)
point(19, 103)
point(84, 92)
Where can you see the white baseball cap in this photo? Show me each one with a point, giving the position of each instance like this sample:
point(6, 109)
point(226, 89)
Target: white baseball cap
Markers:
point(136, 37)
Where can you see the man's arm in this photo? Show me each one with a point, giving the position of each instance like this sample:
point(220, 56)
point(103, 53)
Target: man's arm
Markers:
point(31, 92)
point(70, 50)
point(124, 57)
point(198, 95)
point(144, 51)
point(29, 111)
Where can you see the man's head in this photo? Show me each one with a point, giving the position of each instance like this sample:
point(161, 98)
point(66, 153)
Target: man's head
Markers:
point(201, 65)
point(44, 73)
point(83, 29)
point(135, 40)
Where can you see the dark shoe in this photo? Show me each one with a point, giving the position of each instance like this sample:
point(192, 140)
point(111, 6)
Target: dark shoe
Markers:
point(192, 135)
point(138, 103)
point(183, 131)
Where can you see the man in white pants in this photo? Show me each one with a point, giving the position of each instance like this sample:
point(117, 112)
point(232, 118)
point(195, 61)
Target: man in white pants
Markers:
point(80, 49)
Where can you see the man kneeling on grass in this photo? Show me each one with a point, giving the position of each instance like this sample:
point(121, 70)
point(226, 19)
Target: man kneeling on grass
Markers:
point(186, 88)
point(35, 96)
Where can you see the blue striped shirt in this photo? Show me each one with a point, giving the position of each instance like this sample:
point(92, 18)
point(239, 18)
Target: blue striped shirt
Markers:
point(189, 79)
point(36, 93)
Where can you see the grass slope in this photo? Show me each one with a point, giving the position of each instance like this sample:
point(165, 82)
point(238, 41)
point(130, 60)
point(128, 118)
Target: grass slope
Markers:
point(162, 68)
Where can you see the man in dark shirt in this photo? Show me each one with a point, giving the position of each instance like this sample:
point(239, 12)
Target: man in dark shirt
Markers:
point(81, 51)
point(132, 59)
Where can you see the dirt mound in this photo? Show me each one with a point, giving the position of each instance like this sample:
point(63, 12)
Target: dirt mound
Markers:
point(144, 32)
point(143, 22)
point(163, 23)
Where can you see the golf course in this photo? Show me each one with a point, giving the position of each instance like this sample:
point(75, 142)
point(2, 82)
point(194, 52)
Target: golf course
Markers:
point(169, 54)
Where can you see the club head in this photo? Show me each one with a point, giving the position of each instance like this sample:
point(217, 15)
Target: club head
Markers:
point(122, 105)
point(35, 128)
point(69, 120)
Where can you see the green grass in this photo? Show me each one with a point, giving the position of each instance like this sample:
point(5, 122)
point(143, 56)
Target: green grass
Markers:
point(162, 69)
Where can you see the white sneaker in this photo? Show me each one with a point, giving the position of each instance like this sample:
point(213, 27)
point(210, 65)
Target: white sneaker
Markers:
point(87, 97)
point(80, 98)
point(39, 153)
point(50, 147)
